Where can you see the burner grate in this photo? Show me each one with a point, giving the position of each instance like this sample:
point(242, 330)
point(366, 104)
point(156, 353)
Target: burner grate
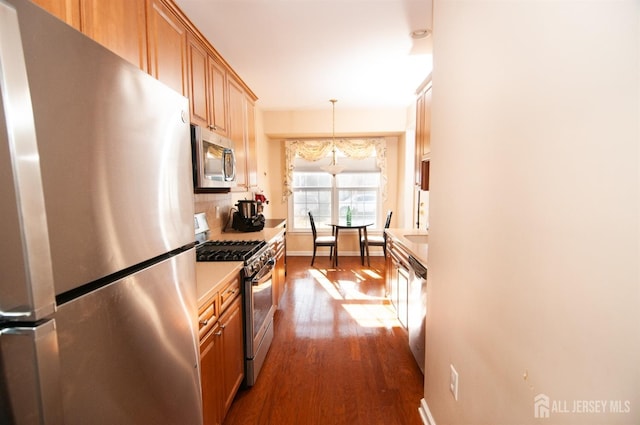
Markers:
point(228, 250)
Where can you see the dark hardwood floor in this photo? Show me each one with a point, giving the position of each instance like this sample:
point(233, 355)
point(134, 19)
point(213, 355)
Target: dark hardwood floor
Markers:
point(338, 356)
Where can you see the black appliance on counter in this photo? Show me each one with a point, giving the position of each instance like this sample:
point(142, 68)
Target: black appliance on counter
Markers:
point(248, 218)
point(257, 291)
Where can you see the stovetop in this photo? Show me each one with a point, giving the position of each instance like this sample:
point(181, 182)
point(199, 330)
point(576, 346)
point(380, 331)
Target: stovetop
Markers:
point(228, 250)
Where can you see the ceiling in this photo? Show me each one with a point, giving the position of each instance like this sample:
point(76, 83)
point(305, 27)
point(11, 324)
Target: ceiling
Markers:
point(298, 54)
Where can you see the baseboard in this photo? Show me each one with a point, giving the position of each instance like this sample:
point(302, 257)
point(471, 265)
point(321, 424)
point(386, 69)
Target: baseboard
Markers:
point(425, 413)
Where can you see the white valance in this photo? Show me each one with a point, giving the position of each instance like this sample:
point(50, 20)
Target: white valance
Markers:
point(314, 150)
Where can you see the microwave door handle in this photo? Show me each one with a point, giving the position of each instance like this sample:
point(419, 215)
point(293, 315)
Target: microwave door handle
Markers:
point(31, 373)
point(229, 157)
point(28, 291)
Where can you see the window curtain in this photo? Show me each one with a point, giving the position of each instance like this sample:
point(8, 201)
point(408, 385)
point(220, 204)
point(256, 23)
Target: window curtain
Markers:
point(314, 150)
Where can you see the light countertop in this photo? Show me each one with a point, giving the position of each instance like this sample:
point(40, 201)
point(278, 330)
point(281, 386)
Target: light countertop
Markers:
point(210, 274)
point(419, 250)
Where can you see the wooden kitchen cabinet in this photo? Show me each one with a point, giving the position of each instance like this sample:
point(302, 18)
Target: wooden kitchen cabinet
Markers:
point(119, 25)
point(211, 368)
point(66, 10)
point(237, 130)
point(232, 353)
point(198, 69)
point(167, 46)
point(279, 271)
point(423, 134)
point(207, 87)
point(252, 160)
point(156, 36)
point(218, 98)
point(397, 270)
point(221, 350)
point(242, 132)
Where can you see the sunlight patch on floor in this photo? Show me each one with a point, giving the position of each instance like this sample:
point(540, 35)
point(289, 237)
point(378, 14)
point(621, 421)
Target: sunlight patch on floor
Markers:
point(350, 291)
point(326, 284)
point(372, 273)
point(373, 315)
point(343, 289)
point(373, 311)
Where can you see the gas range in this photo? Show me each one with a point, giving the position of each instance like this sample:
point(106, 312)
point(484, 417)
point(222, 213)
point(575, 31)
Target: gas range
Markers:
point(254, 253)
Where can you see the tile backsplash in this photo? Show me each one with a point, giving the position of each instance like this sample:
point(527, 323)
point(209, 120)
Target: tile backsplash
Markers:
point(217, 207)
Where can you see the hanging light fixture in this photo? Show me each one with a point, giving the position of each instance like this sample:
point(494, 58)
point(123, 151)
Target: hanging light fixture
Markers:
point(333, 168)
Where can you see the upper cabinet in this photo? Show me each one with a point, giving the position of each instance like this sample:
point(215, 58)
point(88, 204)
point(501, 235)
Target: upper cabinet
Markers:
point(66, 10)
point(158, 38)
point(207, 87)
point(242, 132)
point(198, 69)
point(423, 134)
point(119, 25)
point(423, 120)
point(252, 160)
point(237, 130)
point(218, 97)
point(167, 45)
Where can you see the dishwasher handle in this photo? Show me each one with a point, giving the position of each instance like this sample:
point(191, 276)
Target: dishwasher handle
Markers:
point(418, 269)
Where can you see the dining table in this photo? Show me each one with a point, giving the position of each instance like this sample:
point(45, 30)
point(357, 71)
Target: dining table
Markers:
point(361, 227)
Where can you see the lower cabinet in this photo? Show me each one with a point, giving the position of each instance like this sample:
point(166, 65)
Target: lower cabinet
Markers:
point(279, 271)
point(398, 280)
point(211, 368)
point(221, 355)
point(232, 353)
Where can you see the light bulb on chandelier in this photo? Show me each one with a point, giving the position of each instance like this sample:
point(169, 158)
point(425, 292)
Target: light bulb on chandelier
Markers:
point(333, 168)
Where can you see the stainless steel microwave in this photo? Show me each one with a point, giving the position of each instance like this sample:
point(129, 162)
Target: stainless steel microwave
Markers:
point(214, 162)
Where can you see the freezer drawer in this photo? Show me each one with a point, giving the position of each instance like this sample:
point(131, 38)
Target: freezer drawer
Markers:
point(129, 351)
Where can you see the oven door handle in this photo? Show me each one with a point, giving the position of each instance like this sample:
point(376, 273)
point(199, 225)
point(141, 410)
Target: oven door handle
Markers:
point(264, 274)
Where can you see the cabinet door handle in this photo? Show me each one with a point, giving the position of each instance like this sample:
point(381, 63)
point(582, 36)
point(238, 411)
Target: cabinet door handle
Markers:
point(219, 333)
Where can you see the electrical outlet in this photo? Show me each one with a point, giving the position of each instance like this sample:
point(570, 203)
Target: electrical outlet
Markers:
point(453, 382)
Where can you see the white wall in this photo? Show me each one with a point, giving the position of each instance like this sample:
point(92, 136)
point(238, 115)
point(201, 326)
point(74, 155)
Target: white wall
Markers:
point(534, 283)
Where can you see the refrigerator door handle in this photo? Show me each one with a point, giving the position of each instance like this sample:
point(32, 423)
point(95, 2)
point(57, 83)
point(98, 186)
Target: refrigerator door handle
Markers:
point(29, 294)
point(31, 369)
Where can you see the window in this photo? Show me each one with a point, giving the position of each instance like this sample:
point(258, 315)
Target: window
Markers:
point(328, 199)
point(362, 186)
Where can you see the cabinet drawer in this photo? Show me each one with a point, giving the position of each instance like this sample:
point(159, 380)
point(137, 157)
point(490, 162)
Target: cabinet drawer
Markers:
point(229, 293)
point(208, 316)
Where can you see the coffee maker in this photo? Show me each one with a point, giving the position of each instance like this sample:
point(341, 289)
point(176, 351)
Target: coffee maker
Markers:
point(248, 216)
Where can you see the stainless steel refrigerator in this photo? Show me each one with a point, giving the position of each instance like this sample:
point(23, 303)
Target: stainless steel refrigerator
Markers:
point(97, 269)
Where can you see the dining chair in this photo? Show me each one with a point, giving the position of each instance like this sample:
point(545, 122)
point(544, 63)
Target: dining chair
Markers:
point(376, 240)
point(329, 241)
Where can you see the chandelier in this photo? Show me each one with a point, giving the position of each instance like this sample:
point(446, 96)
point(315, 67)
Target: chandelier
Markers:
point(333, 168)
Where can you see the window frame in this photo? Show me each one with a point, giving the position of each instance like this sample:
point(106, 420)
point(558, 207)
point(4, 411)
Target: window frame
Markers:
point(335, 190)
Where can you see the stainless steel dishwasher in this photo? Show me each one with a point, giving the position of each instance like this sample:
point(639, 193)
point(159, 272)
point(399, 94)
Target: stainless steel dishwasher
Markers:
point(417, 309)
